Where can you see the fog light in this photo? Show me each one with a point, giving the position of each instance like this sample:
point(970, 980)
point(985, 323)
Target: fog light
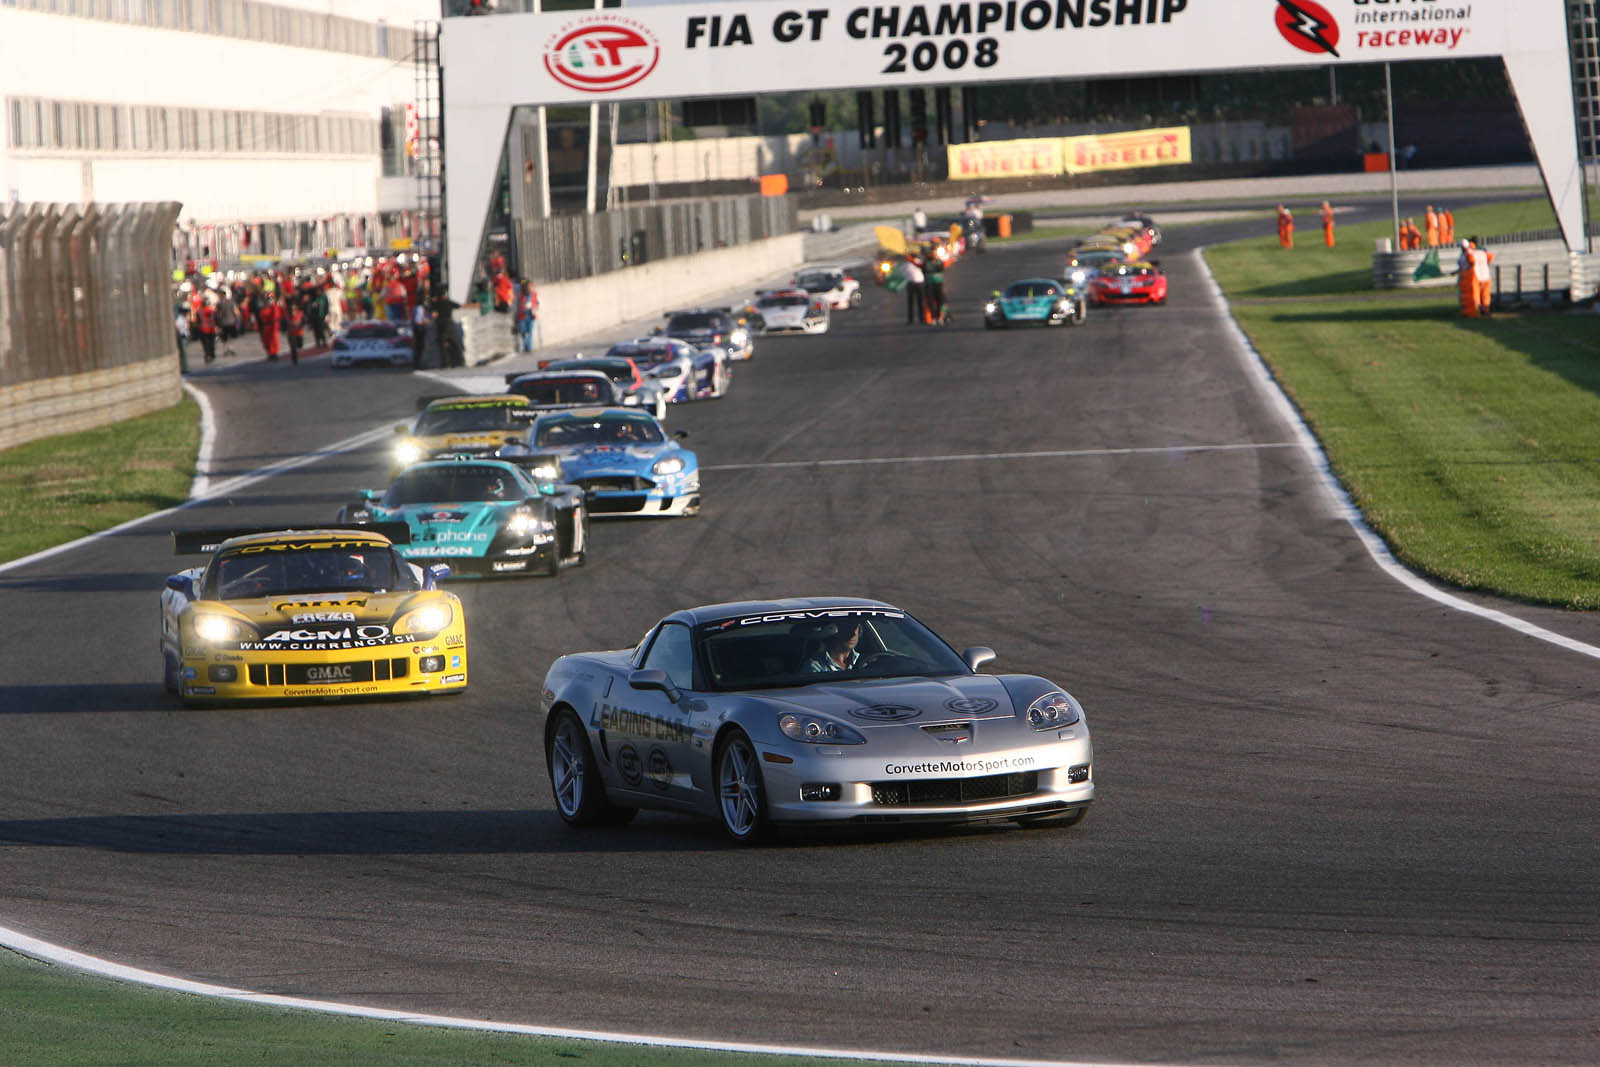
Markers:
point(222, 674)
point(430, 664)
point(1078, 773)
point(819, 791)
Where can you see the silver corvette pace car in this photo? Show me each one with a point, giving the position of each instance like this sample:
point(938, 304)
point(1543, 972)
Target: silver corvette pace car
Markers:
point(807, 711)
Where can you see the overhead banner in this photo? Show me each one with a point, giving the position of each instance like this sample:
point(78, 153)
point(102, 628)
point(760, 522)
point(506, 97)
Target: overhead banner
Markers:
point(738, 48)
point(1047, 156)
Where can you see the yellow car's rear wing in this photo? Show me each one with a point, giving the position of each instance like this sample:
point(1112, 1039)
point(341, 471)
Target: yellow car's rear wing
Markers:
point(199, 542)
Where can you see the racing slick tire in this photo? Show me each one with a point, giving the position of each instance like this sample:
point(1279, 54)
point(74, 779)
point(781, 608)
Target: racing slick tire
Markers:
point(855, 299)
point(171, 667)
point(1080, 312)
point(741, 794)
point(1053, 822)
point(552, 566)
point(575, 783)
point(580, 534)
point(994, 324)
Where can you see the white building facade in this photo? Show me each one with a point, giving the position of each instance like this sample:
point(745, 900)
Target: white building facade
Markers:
point(281, 127)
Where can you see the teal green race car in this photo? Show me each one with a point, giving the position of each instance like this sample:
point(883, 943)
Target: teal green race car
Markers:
point(482, 516)
point(1041, 301)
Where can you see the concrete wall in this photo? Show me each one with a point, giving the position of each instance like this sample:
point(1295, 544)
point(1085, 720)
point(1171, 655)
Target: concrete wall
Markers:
point(73, 402)
point(569, 311)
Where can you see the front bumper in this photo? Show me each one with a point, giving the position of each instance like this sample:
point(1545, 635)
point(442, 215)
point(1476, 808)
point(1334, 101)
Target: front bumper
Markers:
point(438, 665)
point(845, 784)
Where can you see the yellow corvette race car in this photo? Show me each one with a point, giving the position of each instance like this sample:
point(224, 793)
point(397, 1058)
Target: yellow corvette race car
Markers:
point(461, 425)
point(311, 613)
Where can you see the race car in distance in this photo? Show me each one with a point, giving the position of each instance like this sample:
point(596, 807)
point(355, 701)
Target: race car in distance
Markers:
point(1139, 219)
point(681, 371)
point(297, 613)
point(551, 390)
point(704, 327)
point(372, 342)
point(809, 711)
point(793, 309)
point(1044, 301)
point(455, 425)
point(833, 285)
point(1135, 282)
point(637, 388)
point(621, 458)
point(482, 516)
point(1089, 259)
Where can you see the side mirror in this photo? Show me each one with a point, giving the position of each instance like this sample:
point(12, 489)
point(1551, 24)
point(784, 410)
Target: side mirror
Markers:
point(434, 574)
point(680, 434)
point(182, 583)
point(373, 495)
point(977, 656)
point(651, 678)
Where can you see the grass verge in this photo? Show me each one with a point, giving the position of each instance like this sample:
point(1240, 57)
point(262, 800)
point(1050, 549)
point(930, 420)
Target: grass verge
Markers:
point(1471, 446)
point(57, 489)
point(56, 1017)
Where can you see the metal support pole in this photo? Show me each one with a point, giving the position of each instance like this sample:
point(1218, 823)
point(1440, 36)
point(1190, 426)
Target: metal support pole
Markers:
point(1394, 180)
point(544, 150)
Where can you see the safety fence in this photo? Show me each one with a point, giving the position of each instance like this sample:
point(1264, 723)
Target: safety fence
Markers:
point(566, 247)
point(86, 331)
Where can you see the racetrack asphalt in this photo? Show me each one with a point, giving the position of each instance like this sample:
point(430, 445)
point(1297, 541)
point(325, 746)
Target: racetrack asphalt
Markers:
point(1336, 821)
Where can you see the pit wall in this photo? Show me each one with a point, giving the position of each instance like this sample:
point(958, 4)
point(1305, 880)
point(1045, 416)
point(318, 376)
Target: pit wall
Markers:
point(571, 311)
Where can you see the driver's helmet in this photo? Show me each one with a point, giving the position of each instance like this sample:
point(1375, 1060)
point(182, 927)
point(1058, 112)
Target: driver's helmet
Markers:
point(352, 569)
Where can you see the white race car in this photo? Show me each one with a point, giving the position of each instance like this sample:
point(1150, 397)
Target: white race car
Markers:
point(683, 371)
point(834, 284)
point(793, 309)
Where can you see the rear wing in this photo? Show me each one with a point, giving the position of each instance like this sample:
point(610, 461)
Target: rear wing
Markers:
point(424, 401)
point(199, 542)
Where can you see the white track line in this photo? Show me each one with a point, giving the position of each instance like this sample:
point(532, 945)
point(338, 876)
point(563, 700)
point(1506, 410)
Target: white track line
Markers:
point(43, 950)
point(1261, 375)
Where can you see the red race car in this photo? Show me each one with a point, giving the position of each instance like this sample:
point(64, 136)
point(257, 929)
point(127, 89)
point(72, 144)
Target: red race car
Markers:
point(1135, 282)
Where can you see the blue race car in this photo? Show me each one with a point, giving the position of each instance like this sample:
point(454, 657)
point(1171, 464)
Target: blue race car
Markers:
point(1036, 300)
point(621, 458)
point(481, 516)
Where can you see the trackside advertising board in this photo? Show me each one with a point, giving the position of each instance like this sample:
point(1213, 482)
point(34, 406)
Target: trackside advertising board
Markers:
point(735, 49)
point(1031, 157)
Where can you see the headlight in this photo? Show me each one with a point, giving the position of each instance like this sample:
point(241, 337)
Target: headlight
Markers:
point(816, 731)
point(218, 629)
point(738, 338)
point(670, 465)
point(1053, 711)
point(1078, 276)
point(527, 522)
point(407, 453)
point(545, 473)
point(991, 307)
point(426, 620)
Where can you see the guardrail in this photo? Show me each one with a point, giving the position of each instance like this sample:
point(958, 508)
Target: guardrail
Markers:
point(86, 334)
point(1532, 269)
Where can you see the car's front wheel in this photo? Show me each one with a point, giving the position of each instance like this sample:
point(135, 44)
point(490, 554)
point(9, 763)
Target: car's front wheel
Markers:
point(575, 783)
point(741, 796)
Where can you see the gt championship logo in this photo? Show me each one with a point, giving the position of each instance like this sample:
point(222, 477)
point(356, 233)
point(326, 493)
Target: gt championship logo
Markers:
point(601, 54)
point(957, 21)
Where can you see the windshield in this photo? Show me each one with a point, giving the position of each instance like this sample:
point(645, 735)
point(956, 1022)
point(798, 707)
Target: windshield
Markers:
point(278, 570)
point(831, 644)
point(453, 483)
point(696, 321)
point(784, 302)
point(817, 281)
point(644, 357)
point(610, 428)
point(467, 419)
point(1023, 290)
point(565, 390)
point(370, 330)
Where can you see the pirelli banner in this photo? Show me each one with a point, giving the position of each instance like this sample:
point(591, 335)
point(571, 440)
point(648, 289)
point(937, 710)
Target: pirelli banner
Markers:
point(1046, 156)
point(738, 48)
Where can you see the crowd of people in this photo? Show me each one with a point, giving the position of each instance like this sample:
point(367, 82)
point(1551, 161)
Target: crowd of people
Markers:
point(295, 307)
